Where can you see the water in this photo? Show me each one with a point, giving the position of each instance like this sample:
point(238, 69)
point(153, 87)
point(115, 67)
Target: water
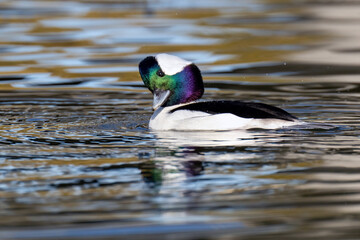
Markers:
point(77, 160)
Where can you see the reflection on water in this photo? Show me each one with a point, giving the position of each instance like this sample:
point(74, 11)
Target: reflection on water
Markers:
point(77, 158)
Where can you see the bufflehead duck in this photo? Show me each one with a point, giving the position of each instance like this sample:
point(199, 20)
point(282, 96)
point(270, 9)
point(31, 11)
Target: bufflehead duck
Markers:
point(177, 85)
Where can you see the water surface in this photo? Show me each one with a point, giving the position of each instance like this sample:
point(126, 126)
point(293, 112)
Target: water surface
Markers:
point(77, 160)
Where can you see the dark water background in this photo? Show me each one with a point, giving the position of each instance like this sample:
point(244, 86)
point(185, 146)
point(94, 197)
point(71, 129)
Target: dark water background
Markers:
point(77, 160)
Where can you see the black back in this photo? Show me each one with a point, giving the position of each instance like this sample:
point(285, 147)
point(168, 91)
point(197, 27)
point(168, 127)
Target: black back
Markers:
point(238, 108)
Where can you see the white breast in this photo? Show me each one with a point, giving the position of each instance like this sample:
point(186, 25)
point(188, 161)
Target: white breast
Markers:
point(186, 120)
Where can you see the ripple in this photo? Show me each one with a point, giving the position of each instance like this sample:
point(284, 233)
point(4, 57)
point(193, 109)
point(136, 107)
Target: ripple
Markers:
point(285, 69)
point(102, 70)
point(76, 153)
point(19, 49)
point(321, 88)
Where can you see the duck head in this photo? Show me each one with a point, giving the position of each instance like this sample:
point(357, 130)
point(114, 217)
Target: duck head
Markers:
point(171, 79)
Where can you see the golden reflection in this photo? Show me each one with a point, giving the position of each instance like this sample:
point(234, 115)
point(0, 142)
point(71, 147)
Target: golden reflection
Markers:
point(238, 35)
point(76, 151)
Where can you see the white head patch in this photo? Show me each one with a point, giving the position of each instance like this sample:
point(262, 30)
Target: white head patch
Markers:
point(171, 64)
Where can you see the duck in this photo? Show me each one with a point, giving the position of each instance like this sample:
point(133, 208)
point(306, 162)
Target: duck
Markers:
point(177, 87)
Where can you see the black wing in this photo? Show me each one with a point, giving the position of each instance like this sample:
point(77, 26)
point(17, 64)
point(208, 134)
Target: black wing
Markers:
point(238, 108)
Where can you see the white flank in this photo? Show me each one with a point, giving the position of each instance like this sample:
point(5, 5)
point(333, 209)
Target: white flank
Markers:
point(171, 64)
point(185, 120)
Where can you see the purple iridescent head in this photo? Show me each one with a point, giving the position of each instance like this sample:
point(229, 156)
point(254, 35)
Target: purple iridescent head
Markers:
point(171, 79)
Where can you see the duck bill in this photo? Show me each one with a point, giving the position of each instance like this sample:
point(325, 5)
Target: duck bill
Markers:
point(160, 97)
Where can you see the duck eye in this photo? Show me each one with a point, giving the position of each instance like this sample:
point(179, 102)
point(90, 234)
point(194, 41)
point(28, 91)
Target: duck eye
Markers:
point(160, 73)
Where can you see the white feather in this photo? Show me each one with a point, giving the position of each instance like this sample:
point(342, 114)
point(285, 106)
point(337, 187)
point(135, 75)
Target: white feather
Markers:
point(171, 64)
point(186, 120)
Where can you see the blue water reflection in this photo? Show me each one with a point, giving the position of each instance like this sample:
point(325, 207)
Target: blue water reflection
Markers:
point(77, 158)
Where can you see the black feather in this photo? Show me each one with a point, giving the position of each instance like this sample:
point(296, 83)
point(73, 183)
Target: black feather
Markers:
point(238, 108)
